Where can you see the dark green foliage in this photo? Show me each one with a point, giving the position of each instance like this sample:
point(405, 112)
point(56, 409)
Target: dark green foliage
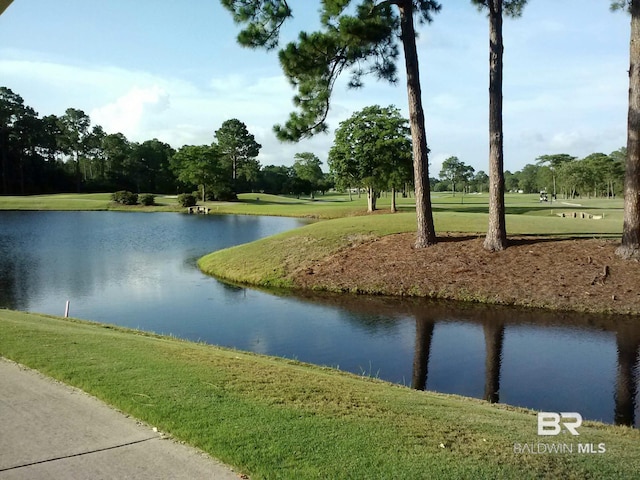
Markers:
point(263, 17)
point(512, 8)
point(372, 150)
point(124, 197)
point(306, 167)
point(223, 193)
point(187, 200)
point(457, 173)
point(148, 166)
point(199, 165)
point(621, 5)
point(238, 150)
point(61, 154)
point(147, 199)
point(28, 147)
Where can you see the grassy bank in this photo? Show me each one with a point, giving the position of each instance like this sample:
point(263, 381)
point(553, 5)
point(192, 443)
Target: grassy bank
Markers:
point(269, 262)
point(275, 418)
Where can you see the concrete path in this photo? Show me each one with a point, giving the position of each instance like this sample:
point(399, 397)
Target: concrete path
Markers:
point(53, 431)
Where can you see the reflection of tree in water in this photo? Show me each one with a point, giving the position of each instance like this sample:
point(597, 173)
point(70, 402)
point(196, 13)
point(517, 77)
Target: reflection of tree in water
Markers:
point(495, 321)
point(628, 340)
point(16, 280)
point(424, 334)
point(8, 288)
point(493, 339)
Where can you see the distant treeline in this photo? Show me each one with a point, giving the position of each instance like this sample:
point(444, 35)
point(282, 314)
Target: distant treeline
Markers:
point(596, 175)
point(55, 154)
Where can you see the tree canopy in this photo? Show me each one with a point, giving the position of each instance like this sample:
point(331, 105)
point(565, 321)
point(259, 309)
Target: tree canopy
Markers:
point(306, 166)
point(199, 165)
point(238, 149)
point(456, 172)
point(372, 150)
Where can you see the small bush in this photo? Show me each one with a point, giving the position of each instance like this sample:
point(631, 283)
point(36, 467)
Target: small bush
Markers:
point(148, 199)
point(224, 194)
point(187, 200)
point(125, 198)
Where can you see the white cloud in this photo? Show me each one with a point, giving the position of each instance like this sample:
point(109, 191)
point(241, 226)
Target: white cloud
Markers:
point(128, 112)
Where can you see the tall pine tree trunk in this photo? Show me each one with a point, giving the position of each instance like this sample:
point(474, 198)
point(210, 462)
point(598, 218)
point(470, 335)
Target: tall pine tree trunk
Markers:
point(630, 247)
point(426, 234)
point(496, 238)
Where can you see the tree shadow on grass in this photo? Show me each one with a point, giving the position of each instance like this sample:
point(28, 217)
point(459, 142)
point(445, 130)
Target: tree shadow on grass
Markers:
point(520, 240)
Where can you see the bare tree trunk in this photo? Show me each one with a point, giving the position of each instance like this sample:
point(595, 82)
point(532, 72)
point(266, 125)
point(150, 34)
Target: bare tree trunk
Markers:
point(630, 247)
point(393, 200)
point(76, 166)
point(426, 233)
point(496, 238)
point(372, 196)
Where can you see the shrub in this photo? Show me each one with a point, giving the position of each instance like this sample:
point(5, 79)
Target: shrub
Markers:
point(148, 199)
point(187, 200)
point(224, 194)
point(125, 198)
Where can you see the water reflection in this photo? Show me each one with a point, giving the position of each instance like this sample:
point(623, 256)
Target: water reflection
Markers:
point(544, 389)
point(493, 338)
point(424, 334)
point(628, 340)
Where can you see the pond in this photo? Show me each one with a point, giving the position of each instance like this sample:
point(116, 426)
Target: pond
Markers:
point(139, 270)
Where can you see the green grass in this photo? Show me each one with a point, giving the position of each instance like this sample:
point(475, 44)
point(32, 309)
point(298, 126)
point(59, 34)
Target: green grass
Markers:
point(275, 418)
point(266, 262)
point(322, 207)
point(269, 261)
point(81, 201)
point(331, 205)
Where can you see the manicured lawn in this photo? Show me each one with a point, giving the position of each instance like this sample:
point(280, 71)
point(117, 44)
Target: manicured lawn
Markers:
point(79, 201)
point(267, 262)
point(275, 418)
point(331, 205)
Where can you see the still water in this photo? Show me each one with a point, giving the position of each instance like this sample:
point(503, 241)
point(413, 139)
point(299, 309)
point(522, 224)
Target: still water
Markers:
point(139, 270)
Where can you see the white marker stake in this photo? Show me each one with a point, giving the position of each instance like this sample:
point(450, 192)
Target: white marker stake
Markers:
point(66, 310)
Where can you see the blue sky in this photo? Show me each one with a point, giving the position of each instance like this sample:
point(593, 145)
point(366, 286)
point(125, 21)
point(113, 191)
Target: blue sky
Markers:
point(172, 70)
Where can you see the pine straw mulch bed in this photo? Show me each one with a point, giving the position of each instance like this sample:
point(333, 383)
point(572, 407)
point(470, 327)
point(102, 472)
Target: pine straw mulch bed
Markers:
point(566, 274)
